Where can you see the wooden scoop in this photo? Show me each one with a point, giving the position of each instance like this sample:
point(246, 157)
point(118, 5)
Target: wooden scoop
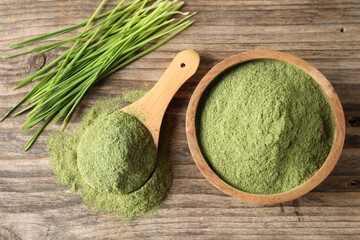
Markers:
point(150, 109)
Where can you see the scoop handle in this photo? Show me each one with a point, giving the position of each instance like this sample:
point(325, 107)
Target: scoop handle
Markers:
point(150, 108)
point(183, 66)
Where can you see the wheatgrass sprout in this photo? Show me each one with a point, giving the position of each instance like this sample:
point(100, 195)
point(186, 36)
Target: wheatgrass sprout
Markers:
point(107, 42)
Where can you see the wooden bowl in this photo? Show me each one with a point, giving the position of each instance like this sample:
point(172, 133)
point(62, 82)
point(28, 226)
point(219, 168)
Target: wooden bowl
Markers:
point(320, 175)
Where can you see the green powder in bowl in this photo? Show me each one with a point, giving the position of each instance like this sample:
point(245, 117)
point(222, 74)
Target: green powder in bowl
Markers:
point(116, 154)
point(264, 126)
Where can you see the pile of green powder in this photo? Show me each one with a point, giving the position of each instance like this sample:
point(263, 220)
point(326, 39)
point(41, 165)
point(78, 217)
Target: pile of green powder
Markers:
point(116, 153)
point(265, 126)
point(112, 161)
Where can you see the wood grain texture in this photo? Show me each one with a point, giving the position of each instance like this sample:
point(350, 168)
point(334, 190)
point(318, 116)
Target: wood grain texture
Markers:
point(325, 33)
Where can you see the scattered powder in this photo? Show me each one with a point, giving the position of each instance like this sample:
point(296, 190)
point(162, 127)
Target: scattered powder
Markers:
point(72, 164)
point(133, 95)
point(265, 126)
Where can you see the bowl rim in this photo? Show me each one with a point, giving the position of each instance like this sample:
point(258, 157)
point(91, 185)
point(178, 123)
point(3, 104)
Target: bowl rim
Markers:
point(317, 178)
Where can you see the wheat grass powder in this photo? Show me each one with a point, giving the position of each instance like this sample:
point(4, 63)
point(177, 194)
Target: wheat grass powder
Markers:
point(112, 161)
point(264, 126)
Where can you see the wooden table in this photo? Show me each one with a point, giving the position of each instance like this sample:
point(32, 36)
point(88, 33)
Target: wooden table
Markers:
point(325, 33)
